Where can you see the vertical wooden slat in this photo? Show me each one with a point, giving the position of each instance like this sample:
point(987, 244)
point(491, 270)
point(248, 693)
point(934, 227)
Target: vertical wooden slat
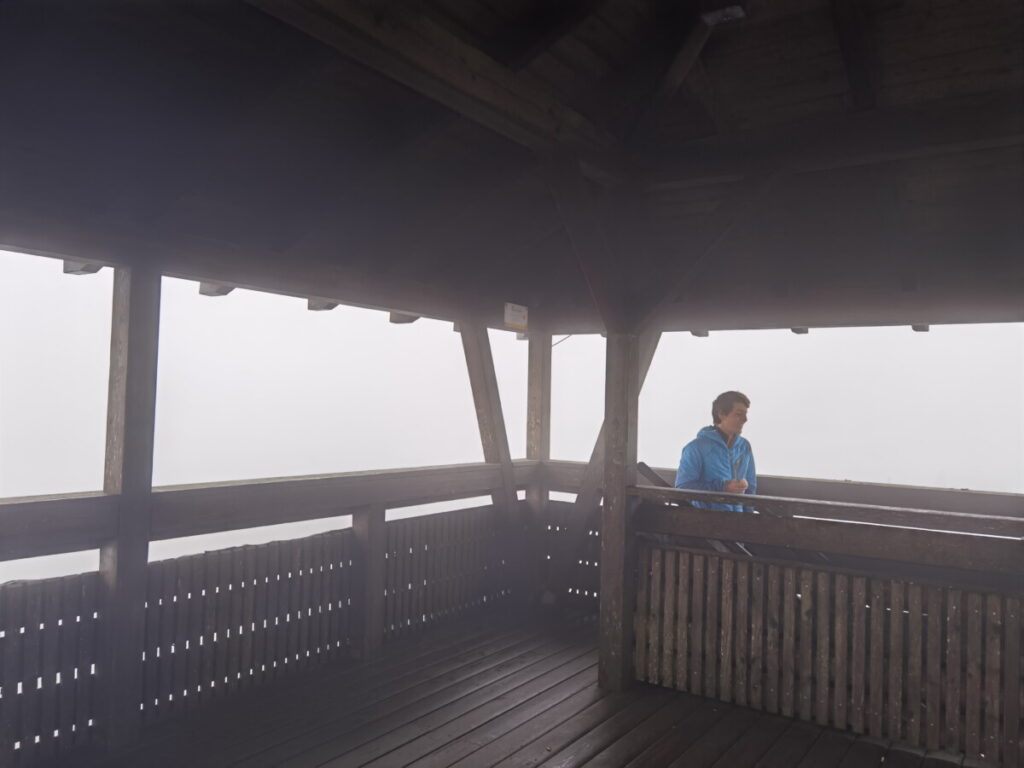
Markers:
point(806, 644)
point(404, 563)
point(895, 660)
point(697, 625)
point(822, 651)
point(247, 582)
point(1012, 743)
point(876, 659)
point(951, 692)
point(151, 683)
point(256, 567)
point(840, 654)
point(182, 589)
point(933, 670)
point(742, 632)
point(71, 607)
point(757, 636)
point(335, 593)
point(323, 591)
point(31, 660)
point(669, 622)
point(86, 714)
point(196, 628)
point(711, 625)
point(50, 650)
point(772, 636)
point(683, 622)
point(417, 571)
point(274, 609)
point(786, 686)
point(295, 605)
point(858, 654)
point(221, 653)
point(641, 613)
point(654, 618)
point(915, 649)
point(168, 625)
point(305, 600)
point(725, 635)
point(993, 671)
point(972, 683)
point(12, 619)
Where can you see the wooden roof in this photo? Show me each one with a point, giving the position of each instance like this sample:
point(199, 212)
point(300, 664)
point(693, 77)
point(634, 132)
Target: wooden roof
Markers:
point(608, 163)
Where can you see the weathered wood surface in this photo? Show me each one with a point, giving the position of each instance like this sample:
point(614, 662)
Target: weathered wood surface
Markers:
point(868, 655)
point(128, 472)
point(490, 691)
point(617, 595)
point(1000, 557)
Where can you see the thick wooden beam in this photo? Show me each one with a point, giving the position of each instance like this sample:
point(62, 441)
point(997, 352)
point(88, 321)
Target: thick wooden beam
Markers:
point(484, 383)
point(622, 392)
point(851, 22)
point(209, 508)
point(128, 471)
point(48, 525)
point(410, 48)
point(370, 532)
point(830, 142)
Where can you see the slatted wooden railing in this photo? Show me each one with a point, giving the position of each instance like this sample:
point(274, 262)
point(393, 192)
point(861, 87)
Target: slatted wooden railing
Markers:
point(443, 565)
point(224, 621)
point(49, 634)
point(916, 645)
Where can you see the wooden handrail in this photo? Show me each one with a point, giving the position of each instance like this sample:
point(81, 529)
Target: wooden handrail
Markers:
point(49, 525)
point(897, 517)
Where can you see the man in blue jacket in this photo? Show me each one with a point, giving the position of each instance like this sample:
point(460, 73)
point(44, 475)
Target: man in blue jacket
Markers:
point(720, 459)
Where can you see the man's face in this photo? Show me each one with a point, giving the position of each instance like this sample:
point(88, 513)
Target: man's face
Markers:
point(732, 423)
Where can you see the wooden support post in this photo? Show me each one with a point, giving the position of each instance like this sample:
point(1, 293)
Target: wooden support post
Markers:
point(538, 448)
point(370, 531)
point(590, 489)
point(128, 471)
point(622, 392)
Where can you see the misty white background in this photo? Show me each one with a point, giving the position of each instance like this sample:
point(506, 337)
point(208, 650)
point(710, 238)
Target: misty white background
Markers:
point(254, 385)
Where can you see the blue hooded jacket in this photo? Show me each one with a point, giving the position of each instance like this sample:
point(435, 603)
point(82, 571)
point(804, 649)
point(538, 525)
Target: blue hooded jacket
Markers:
point(707, 464)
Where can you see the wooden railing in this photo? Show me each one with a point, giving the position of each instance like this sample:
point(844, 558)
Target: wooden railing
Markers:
point(902, 624)
point(227, 620)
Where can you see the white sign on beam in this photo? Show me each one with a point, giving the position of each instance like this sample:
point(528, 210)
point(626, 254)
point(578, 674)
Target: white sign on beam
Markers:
point(516, 317)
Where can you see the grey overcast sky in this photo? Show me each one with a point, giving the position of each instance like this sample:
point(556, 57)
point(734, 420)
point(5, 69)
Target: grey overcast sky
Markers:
point(254, 385)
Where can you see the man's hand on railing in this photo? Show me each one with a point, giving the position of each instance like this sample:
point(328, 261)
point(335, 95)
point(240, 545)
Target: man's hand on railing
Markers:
point(736, 486)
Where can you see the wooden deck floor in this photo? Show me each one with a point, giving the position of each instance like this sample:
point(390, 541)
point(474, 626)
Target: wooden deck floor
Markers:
point(493, 692)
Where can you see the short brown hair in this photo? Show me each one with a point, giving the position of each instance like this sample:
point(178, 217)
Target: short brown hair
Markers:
point(724, 403)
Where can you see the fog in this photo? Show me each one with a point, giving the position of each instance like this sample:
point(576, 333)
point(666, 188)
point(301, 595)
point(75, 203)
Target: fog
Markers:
point(255, 385)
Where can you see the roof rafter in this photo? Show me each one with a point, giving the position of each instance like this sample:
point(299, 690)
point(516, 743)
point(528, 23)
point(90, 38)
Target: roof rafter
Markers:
point(412, 49)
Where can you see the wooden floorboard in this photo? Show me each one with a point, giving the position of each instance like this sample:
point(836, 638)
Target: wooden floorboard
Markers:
point(492, 691)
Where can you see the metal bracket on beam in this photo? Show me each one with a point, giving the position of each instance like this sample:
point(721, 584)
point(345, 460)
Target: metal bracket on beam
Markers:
point(799, 331)
point(921, 328)
point(400, 318)
point(320, 305)
point(73, 267)
point(215, 289)
point(700, 333)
